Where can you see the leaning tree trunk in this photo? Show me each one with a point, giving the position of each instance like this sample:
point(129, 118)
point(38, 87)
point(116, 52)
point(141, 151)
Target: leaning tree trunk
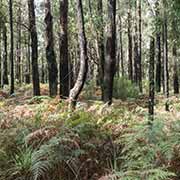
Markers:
point(50, 54)
point(74, 93)
point(64, 59)
point(11, 47)
point(110, 59)
point(175, 75)
point(151, 79)
point(130, 63)
point(5, 64)
point(34, 48)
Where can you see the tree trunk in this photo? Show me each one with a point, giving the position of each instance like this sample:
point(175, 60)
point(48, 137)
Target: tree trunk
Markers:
point(151, 79)
point(165, 56)
point(11, 47)
point(101, 45)
point(74, 93)
point(18, 47)
point(110, 59)
point(130, 63)
point(64, 59)
point(5, 64)
point(158, 53)
point(175, 75)
point(140, 49)
point(34, 48)
point(50, 54)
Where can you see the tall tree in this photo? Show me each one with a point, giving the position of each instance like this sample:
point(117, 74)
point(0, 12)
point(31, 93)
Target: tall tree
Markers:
point(18, 45)
point(140, 46)
point(50, 54)
point(11, 46)
point(101, 43)
point(74, 93)
point(64, 60)
point(110, 59)
point(158, 50)
point(165, 57)
point(34, 48)
point(175, 72)
point(151, 79)
point(130, 62)
point(5, 63)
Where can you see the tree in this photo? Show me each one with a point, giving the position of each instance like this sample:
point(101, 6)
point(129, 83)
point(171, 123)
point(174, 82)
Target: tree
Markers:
point(11, 47)
point(151, 79)
point(110, 59)
point(75, 91)
point(64, 59)
point(165, 58)
point(130, 63)
point(50, 54)
point(5, 67)
point(34, 48)
point(158, 50)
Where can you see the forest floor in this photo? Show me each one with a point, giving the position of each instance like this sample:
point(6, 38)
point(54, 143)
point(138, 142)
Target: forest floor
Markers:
point(94, 129)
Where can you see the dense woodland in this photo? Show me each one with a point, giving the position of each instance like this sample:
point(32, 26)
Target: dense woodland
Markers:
point(89, 89)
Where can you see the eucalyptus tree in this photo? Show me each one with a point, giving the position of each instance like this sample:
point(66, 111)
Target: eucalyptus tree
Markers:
point(76, 90)
point(110, 58)
point(34, 48)
point(50, 53)
point(63, 46)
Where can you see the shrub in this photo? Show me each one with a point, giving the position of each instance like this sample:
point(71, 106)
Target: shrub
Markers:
point(123, 89)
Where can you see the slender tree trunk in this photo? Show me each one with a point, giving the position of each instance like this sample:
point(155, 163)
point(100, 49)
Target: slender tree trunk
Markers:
point(158, 53)
point(151, 80)
point(130, 61)
point(64, 59)
point(175, 75)
point(140, 48)
point(101, 45)
point(11, 47)
point(50, 54)
point(1, 59)
point(34, 48)
point(74, 93)
point(121, 47)
point(5, 64)
point(18, 47)
point(28, 61)
point(165, 56)
point(110, 59)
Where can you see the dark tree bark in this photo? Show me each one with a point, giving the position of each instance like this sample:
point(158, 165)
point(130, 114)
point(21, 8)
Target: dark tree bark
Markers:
point(50, 54)
point(64, 60)
point(165, 57)
point(158, 53)
point(151, 79)
point(101, 45)
point(130, 62)
point(74, 93)
point(110, 59)
point(175, 72)
point(5, 64)
point(11, 47)
point(34, 48)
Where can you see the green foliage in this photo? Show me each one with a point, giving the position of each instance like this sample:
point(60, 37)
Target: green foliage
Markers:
point(148, 151)
point(123, 89)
